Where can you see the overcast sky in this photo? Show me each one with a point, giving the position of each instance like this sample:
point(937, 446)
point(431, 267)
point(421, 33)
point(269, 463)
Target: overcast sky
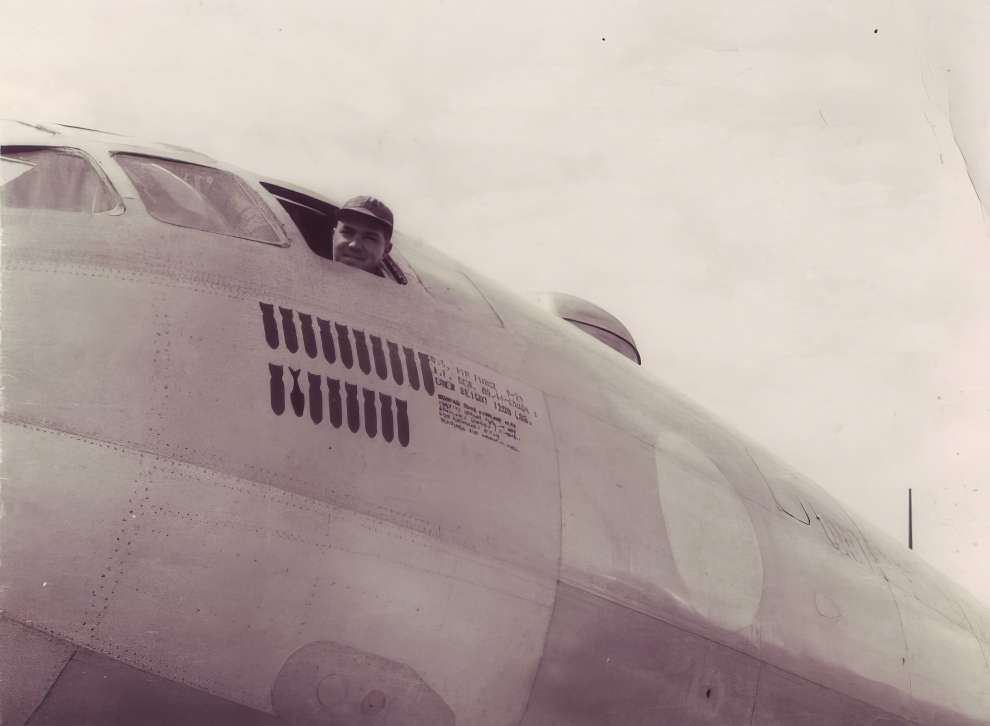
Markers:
point(781, 199)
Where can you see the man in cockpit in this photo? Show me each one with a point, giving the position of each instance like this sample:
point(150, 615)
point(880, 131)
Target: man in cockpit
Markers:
point(362, 236)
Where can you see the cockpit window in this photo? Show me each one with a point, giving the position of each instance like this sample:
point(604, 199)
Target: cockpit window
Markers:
point(315, 220)
point(53, 178)
point(200, 197)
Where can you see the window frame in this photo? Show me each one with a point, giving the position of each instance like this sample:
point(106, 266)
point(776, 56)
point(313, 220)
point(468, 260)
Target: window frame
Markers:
point(119, 207)
point(281, 193)
point(268, 214)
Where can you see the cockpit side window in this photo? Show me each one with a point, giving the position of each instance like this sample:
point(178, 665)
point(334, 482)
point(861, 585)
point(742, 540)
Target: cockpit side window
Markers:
point(55, 178)
point(199, 197)
point(315, 220)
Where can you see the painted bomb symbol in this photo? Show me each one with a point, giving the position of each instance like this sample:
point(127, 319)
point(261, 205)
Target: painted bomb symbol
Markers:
point(373, 354)
point(359, 407)
point(362, 408)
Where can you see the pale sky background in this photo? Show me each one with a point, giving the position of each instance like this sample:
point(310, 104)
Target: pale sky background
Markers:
point(778, 197)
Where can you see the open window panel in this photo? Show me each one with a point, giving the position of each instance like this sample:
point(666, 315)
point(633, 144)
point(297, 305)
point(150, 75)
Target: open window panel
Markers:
point(315, 220)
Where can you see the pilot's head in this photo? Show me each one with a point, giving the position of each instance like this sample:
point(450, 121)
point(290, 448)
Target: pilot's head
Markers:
point(363, 235)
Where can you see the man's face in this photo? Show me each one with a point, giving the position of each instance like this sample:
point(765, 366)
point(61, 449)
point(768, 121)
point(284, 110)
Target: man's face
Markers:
point(359, 244)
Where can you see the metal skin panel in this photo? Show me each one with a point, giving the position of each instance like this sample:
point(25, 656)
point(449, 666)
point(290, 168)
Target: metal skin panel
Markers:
point(449, 285)
point(65, 503)
point(978, 619)
point(644, 407)
point(916, 579)
point(607, 665)
point(826, 613)
point(806, 597)
point(199, 574)
point(721, 566)
point(786, 699)
point(634, 525)
point(239, 476)
point(306, 573)
point(447, 400)
point(167, 335)
point(825, 618)
point(94, 690)
point(30, 662)
point(402, 557)
point(609, 503)
point(939, 652)
point(58, 377)
point(549, 360)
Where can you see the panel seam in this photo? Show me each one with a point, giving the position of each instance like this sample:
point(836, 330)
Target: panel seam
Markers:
point(51, 686)
point(765, 664)
point(756, 693)
point(560, 557)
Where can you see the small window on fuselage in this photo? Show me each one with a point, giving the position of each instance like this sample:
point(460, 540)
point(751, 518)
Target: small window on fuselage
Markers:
point(55, 178)
point(609, 338)
point(199, 197)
